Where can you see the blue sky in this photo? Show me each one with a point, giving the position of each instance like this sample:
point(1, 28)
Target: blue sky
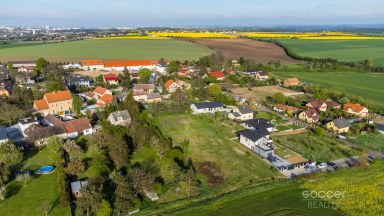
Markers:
point(194, 13)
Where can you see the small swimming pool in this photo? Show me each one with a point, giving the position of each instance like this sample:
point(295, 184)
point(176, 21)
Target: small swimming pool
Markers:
point(45, 170)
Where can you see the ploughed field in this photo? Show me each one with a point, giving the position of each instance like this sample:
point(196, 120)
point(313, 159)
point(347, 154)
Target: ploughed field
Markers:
point(343, 50)
point(261, 52)
point(117, 49)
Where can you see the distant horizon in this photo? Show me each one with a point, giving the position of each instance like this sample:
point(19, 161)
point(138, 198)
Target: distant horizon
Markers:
point(190, 13)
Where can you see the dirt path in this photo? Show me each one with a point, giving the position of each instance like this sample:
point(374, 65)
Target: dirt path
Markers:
point(283, 133)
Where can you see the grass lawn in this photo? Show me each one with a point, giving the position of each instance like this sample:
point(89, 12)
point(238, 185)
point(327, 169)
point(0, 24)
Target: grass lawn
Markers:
point(343, 50)
point(280, 200)
point(282, 128)
point(29, 200)
point(122, 49)
point(210, 140)
point(371, 141)
point(367, 85)
point(315, 148)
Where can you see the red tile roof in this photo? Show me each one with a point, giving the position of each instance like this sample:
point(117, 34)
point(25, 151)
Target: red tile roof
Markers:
point(106, 99)
point(100, 90)
point(311, 113)
point(217, 74)
point(292, 80)
point(110, 77)
point(41, 104)
point(168, 84)
point(91, 62)
point(58, 96)
point(354, 107)
point(77, 125)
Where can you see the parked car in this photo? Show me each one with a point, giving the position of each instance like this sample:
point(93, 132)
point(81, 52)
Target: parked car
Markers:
point(321, 165)
point(331, 164)
point(309, 168)
point(272, 159)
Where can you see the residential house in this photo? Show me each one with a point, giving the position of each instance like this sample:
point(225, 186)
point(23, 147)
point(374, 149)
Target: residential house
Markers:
point(55, 103)
point(24, 69)
point(6, 90)
point(207, 107)
point(259, 123)
point(258, 141)
point(120, 118)
point(147, 88)
point(18, 64)
point(122, 96)
point(171, 86)
point(147, 97)
point(78, 127)
point(99, 92)
point(284, 108)
point(78, 80)
point(153, 97)
point(92, 65)
point(318, 105)
point(72, 66)
point(333, 105)
point(339, 125)
point(111, 79)
point(25, 123)
point(104, 100)
point(24, 79)
point(52, 121)
point(356, 109)
point(309, 116)
point(76, 188)
point(241, 114)
point(261, 75)
point(219, 75)
point(235, 63)
point(188, 72)
point(291, 82)
point(39, 134)
point(3, 135)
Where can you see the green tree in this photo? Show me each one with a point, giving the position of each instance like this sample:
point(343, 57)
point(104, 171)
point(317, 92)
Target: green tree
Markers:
point(91, 197)
point(104, 209)
point(41, 63)
point(125, 78)
point(118, 151)
point(24, 177)
point(172, 67)
point(75, 167)
point(73, 150)
point(279, 98)
point(10, 113)
point(55, 86)
point(125, 198)
point(10, 155)
point(191, 180)
point(145, 75)
point(77, 103)
point(319, 131)
point(215, 90)
point(54, 144)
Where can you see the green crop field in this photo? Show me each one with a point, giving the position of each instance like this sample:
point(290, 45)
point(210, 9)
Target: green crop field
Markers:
point(76, 51)
point(343, 50)
point(370, 86)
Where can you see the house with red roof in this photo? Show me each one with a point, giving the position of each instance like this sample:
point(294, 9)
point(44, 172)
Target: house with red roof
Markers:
point(319, 105)
point(59, 103)
point(111, 79)
point(309, 116)
point(92, 64)
point(171, 86)
point(356, 109)
point(219, 75)
point(105, 100)
point(131, 65)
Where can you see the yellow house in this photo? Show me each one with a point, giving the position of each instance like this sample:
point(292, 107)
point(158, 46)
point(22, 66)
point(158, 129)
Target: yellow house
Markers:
point(339, 125)
point(309, 116)
point(59, 103)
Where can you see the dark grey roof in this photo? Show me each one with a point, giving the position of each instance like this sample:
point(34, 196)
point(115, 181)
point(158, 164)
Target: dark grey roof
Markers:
point(262, 73)
point(380, 127)
point(78, 78)
point(22, 62)
point(153, 95)
point(236, 114)
point(258, 123)
point(245, 110)
point(124, 115)
point(3, 133)
point(122, 95)
point(341, 123)
point(254, 135)
point(9, 87)
point(215, 104)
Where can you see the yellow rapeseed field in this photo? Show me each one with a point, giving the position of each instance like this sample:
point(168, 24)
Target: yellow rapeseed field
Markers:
point(192, 34)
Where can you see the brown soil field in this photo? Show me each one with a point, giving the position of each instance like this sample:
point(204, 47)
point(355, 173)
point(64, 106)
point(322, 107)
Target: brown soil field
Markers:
point(261, 52)
point(259, 93)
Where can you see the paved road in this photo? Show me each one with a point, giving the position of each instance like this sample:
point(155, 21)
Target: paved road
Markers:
point(292, 120)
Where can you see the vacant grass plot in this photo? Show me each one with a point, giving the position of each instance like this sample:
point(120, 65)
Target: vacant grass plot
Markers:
point(106, 50)
point(315, 148)
point(210, 140)
point(371, 141)
point(41, 191)
point(343, 50)
point(369, 86)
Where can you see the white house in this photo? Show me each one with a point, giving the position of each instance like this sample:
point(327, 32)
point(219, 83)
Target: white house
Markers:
point(258, 141)
point(241, 114)
point(120, 118)
point(256, 124)
point(171, 86)
point(206, 107)
point(78, 80)
point(72, 66)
